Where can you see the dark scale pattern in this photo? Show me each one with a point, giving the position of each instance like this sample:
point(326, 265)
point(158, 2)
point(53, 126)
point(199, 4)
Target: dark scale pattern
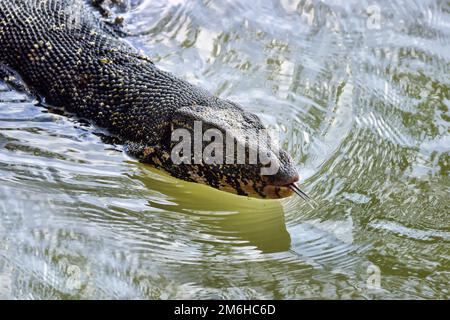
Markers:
point(82, 66)
point(69, 57)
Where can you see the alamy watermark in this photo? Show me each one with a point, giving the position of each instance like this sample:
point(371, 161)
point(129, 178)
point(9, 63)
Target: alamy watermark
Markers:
point(374, 19)
point(73, 14)
point(373, 281)
point(212, 146)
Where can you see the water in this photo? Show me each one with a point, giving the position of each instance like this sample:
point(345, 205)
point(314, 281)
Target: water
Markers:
point(360, 92)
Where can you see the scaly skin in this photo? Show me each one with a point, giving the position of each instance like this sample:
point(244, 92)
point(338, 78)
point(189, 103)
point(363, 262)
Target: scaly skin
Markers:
point(71, 59)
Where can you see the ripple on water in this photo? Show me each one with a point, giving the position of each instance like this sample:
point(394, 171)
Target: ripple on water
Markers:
point(362, 110)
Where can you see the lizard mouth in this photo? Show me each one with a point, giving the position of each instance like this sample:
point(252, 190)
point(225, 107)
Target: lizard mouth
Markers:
point(282, 191)
point(281, 186)
point(284, 186)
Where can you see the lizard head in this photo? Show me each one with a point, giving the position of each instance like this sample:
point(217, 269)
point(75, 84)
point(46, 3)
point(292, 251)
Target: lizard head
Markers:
point(221, 145)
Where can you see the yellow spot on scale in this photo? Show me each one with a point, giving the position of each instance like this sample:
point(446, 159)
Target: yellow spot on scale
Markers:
point(105, 60)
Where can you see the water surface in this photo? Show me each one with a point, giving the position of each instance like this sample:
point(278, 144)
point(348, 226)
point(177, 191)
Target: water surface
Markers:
point(360, 93)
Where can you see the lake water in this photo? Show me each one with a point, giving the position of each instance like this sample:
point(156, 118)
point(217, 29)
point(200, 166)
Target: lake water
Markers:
point(360, 93)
